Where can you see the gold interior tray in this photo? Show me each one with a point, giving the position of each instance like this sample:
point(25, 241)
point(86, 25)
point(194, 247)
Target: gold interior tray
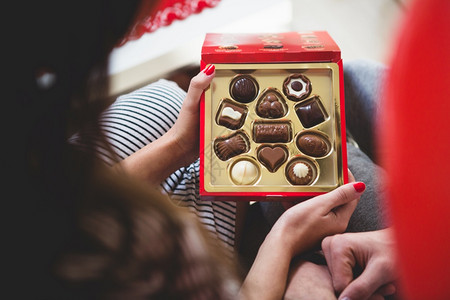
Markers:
point(324, 78)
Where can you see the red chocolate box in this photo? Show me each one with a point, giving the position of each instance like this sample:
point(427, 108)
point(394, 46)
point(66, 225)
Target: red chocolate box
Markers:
point(272, 121)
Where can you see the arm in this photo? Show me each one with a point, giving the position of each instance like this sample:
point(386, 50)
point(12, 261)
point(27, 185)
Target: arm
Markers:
point(179, 146)
point(299, 229)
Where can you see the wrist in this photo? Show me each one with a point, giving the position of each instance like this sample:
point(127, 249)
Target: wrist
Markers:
point(183, 153)
point(291, 236)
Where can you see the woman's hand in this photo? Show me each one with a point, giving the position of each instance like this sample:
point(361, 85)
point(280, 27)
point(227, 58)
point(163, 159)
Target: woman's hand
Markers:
point(304, 225)
point(299, 229)
point(179, 146)
point(185, 131)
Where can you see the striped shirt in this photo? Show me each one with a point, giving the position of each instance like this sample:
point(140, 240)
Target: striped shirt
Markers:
point(142, 116)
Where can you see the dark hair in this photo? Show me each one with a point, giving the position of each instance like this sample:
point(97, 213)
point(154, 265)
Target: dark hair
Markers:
point(81, 230)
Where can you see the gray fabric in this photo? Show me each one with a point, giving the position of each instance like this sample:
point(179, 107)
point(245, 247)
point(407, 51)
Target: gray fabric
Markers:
point(363, 85)
point(369, 213)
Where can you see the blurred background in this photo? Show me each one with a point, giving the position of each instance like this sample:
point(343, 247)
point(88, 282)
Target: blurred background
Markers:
point(362, 29)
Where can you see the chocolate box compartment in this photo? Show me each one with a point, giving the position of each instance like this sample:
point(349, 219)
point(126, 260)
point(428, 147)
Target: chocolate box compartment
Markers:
point(324, 78)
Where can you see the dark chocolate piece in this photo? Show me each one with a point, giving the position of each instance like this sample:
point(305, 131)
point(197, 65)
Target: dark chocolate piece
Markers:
point(273, 46)
point(297, 87)
point(313, 144)
point(270, 106)
point(311, 113)
point(272, 157)
point(230, 146)
point(266, 132)
point(244, 89)
point(231, 115)
point(300, 172)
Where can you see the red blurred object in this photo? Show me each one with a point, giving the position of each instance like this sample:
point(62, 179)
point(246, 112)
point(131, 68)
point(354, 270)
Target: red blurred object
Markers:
point(415, 148)
point(149, 19)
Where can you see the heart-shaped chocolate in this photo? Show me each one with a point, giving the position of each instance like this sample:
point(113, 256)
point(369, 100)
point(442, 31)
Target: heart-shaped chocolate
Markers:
point(272, 157)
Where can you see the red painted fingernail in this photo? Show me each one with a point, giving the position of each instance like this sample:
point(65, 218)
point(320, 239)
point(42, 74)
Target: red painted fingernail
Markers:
point(209, 70)
point(359, 187)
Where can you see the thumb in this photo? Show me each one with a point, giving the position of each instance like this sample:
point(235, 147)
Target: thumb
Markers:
point(365, 285)
point(342, 195)
point(196, 87)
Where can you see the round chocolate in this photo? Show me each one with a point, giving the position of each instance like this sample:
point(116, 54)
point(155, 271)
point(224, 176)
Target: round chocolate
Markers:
point(244, 89)
point(313, 144)
point(297, 86)
point(244, 172)
point(300, 172)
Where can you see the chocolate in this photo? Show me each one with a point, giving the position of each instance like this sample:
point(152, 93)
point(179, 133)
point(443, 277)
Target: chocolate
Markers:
point(244, 172)
point(272, 157)
point(271, 132)
point(297, 87)
point(231, 115)
point(311, 113)
point(244, 88)
point(273, 46)
point(300, 172)
point(313, 144)
point(270, 106)
point(230, 146)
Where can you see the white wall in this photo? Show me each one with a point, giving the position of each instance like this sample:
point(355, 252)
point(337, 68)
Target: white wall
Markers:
point(362, 28)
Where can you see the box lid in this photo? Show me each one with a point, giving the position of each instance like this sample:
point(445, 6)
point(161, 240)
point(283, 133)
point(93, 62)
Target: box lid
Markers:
point(308, 46)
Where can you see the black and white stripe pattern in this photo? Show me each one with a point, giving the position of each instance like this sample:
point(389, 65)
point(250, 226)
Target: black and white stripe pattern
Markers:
point(142, 116)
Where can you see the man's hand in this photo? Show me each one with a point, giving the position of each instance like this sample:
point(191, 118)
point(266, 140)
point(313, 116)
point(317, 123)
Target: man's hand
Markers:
point(374, 252)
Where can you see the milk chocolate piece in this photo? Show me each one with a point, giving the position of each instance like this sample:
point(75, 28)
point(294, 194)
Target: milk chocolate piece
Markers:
point(311, 113)
point(300, 172)
point(297, 87)
point(244, 89)
point(244, 172)
point(271, 132)
point(272, 157)
point(313, 144)
point(231, 115)
point(271, 106)
point(230, 146)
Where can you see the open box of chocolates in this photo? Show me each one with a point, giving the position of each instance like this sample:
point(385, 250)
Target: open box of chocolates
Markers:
point(272, 121)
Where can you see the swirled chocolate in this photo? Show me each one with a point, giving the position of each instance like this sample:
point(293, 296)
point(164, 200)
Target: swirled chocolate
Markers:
point(313, 144)
point(244, 88)
point(230, 146)
point(271, 132)
point(300, 172)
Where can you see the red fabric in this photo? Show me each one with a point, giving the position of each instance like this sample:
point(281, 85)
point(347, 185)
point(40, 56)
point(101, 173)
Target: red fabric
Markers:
point(415, 141)
point(167, 11)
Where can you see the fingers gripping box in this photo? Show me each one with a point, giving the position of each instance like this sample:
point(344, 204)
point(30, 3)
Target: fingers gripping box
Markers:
point(272, 121)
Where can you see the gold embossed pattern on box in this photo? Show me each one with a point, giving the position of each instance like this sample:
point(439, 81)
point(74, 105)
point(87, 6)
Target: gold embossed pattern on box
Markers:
point(267, 124)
